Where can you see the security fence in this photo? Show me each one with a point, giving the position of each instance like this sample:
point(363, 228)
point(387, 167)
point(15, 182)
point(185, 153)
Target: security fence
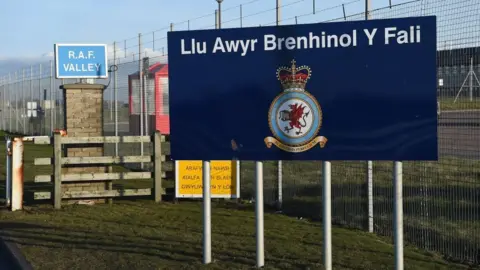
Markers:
point(441, 199)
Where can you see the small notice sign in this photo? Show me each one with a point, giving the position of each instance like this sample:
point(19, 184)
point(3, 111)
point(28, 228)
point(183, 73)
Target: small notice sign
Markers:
point(224, 181)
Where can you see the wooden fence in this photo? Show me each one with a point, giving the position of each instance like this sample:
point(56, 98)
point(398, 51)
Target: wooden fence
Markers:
point(58, 162)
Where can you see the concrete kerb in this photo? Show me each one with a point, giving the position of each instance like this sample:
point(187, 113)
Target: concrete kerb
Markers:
point(15, 255)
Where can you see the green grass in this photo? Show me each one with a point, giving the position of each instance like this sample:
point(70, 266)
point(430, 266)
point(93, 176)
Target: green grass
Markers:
point(452, 216)
point(145, 235)
point(462, 103)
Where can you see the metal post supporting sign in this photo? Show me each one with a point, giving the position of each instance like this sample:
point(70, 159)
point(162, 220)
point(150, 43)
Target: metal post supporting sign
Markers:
point(398, 213)
point(259, 213)
point(327, 215)
point(207, 217)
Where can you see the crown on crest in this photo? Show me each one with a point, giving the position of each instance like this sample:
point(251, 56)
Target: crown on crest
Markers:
point(293, 77)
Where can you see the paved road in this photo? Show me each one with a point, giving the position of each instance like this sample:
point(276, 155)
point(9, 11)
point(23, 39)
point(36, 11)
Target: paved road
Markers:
point(458, 133)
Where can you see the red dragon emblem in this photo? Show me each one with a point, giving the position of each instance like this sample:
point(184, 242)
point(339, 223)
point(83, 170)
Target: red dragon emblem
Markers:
point(296, 117)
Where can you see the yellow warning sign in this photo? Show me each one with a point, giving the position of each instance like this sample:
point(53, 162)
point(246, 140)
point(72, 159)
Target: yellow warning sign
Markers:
point(224, 179)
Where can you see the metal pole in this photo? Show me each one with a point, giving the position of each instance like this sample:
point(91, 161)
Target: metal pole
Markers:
point(140, 78)
point(279, 15)
point(52, 103)
point(219, 14)
point(327, 215)
point(145, 97)
point(8, 181)
point(171, 27)
point(207, 216)
point(39, 93)
point(4, 103)
point(398, 214)
point(369, 163)
point(31, 97)
point(471, 79)
point(259, 213)
point(23, 102)
point(2, 100)
point(111, 98)
point(370, 195)
point(10, 102)
point(15, 85)
point(368, 7)
point(241, 16)
point(216, 19)
point(279, 163)
point(115, 91)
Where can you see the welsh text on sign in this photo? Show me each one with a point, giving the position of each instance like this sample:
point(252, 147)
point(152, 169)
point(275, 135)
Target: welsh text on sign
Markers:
point(224, 180)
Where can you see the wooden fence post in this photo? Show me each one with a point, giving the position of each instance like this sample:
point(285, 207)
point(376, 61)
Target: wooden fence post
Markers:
point(157, 170)
point(57, 168)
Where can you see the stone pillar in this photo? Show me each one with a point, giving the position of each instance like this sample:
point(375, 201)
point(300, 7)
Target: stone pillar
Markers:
point(83, 116)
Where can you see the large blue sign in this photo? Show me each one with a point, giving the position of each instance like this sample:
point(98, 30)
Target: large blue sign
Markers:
point(81, 61)
point(363, 90)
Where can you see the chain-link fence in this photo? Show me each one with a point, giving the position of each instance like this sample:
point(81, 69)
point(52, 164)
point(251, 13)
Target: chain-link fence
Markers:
point(441, 199)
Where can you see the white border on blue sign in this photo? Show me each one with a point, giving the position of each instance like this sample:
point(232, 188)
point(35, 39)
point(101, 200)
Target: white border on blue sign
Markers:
point(213, 196)
point(79, 77)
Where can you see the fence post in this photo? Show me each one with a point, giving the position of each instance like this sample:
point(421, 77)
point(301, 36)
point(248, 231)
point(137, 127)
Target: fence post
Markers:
point(24, 117)
point(50, 100)
point(57, 168)
point(370, 195)
point(115, 94)
point(157, 173)
point(9, 102)
point(140, 93)
point(8, 182)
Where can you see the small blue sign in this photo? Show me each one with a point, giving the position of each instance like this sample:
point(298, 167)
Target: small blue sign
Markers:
point(361, 90)
point(83, 61)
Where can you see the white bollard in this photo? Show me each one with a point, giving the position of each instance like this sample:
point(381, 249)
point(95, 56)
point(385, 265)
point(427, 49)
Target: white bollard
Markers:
point(17, 175)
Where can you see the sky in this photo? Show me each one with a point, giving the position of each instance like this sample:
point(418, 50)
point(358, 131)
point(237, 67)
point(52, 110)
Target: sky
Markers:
point(45, 22)
point(34, 26)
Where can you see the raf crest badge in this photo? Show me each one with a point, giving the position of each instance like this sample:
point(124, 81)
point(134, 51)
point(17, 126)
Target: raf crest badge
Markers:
point(295, 117)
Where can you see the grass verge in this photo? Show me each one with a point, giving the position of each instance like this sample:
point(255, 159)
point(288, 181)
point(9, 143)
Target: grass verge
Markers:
point(462, 103)
point(435, 217)
point(145, 235)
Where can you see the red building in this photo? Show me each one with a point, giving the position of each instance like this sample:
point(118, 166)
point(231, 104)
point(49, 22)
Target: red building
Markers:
point(155, 100)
